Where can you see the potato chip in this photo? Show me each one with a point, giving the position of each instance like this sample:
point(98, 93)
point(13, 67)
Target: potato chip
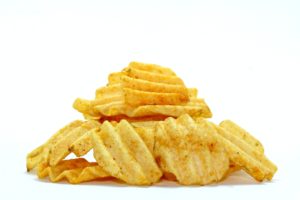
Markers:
point(188, 153)
point(123, 154)
point(149, 86)
point(74, 171)
point(248, 157)
point(243, 134)
point(138, 97)
point(41, 153)
point(110, 91)
point(149, 76)
point(62, 148)
point(69, 138)
point(151, 68)
point(93, 110)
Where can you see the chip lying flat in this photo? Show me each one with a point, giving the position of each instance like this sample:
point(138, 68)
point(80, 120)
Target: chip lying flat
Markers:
point(110, 102)
point(74, 171)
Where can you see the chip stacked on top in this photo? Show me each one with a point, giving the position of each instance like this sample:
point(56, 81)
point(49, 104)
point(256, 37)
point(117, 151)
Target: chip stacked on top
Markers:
point(143, 90)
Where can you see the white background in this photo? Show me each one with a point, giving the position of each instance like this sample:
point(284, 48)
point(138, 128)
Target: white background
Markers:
point(244, 58)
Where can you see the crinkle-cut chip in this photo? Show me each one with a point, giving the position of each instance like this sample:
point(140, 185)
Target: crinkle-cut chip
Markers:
point(192, 92)
point(74, 171)
point(41, 153)
point(88, 106)
point(34, 157)
point(109, 91)
point(148, 86)
point(167, 110)
point(149, 76)
point(118, 108)
point(84, 106)
point(137, 97)
point(241, 153)
point(234, 129)
point(62, 148)
point(111, 103)
point(70, 138)
point(82, 145)
point(214, 156)
point(139, 151)
point(151, 68)
point(205, 110)
point(114, 78)
point(143, 119)
point(186, 152)
point(112, 109)
point(173, 93)
point(145, 123)
point(115, 91)
point(147, 134)
point(123, 154)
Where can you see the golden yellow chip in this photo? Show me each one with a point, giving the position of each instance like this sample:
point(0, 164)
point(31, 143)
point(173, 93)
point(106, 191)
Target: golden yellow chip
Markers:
point(241, 133)
point(74, 171)
point(153, 68)
point(149, 86)
point(188, 153)
point(147, 75)
point(96, 109)
point(71, 137)
point(123, 154)
point(244, 155)
point(41, 153)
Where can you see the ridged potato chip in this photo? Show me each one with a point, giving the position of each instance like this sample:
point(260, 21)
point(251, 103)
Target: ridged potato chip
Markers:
point(41, 153)
point(62, 143)
point(188, 153)
point(98, 109)
point(243, 154)
point(74, 171)
point(124, 155)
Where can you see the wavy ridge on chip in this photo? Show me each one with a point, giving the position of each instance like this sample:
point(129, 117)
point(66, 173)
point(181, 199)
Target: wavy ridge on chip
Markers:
point(189, 154)
point(71, 138)
point(111, 103)
point(121, 152)
point(74, 171)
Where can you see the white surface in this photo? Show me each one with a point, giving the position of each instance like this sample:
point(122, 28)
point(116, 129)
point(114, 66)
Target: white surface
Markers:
point(243, 58)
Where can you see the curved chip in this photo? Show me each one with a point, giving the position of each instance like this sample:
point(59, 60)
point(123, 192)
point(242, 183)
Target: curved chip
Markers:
point(151, 76)
point(123, 154)
point(70, 138)
point(74, 171)
point(151, 68)
point(187, 152)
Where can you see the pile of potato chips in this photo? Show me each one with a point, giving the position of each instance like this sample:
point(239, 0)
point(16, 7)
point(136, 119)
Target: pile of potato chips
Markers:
point(146, 125)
